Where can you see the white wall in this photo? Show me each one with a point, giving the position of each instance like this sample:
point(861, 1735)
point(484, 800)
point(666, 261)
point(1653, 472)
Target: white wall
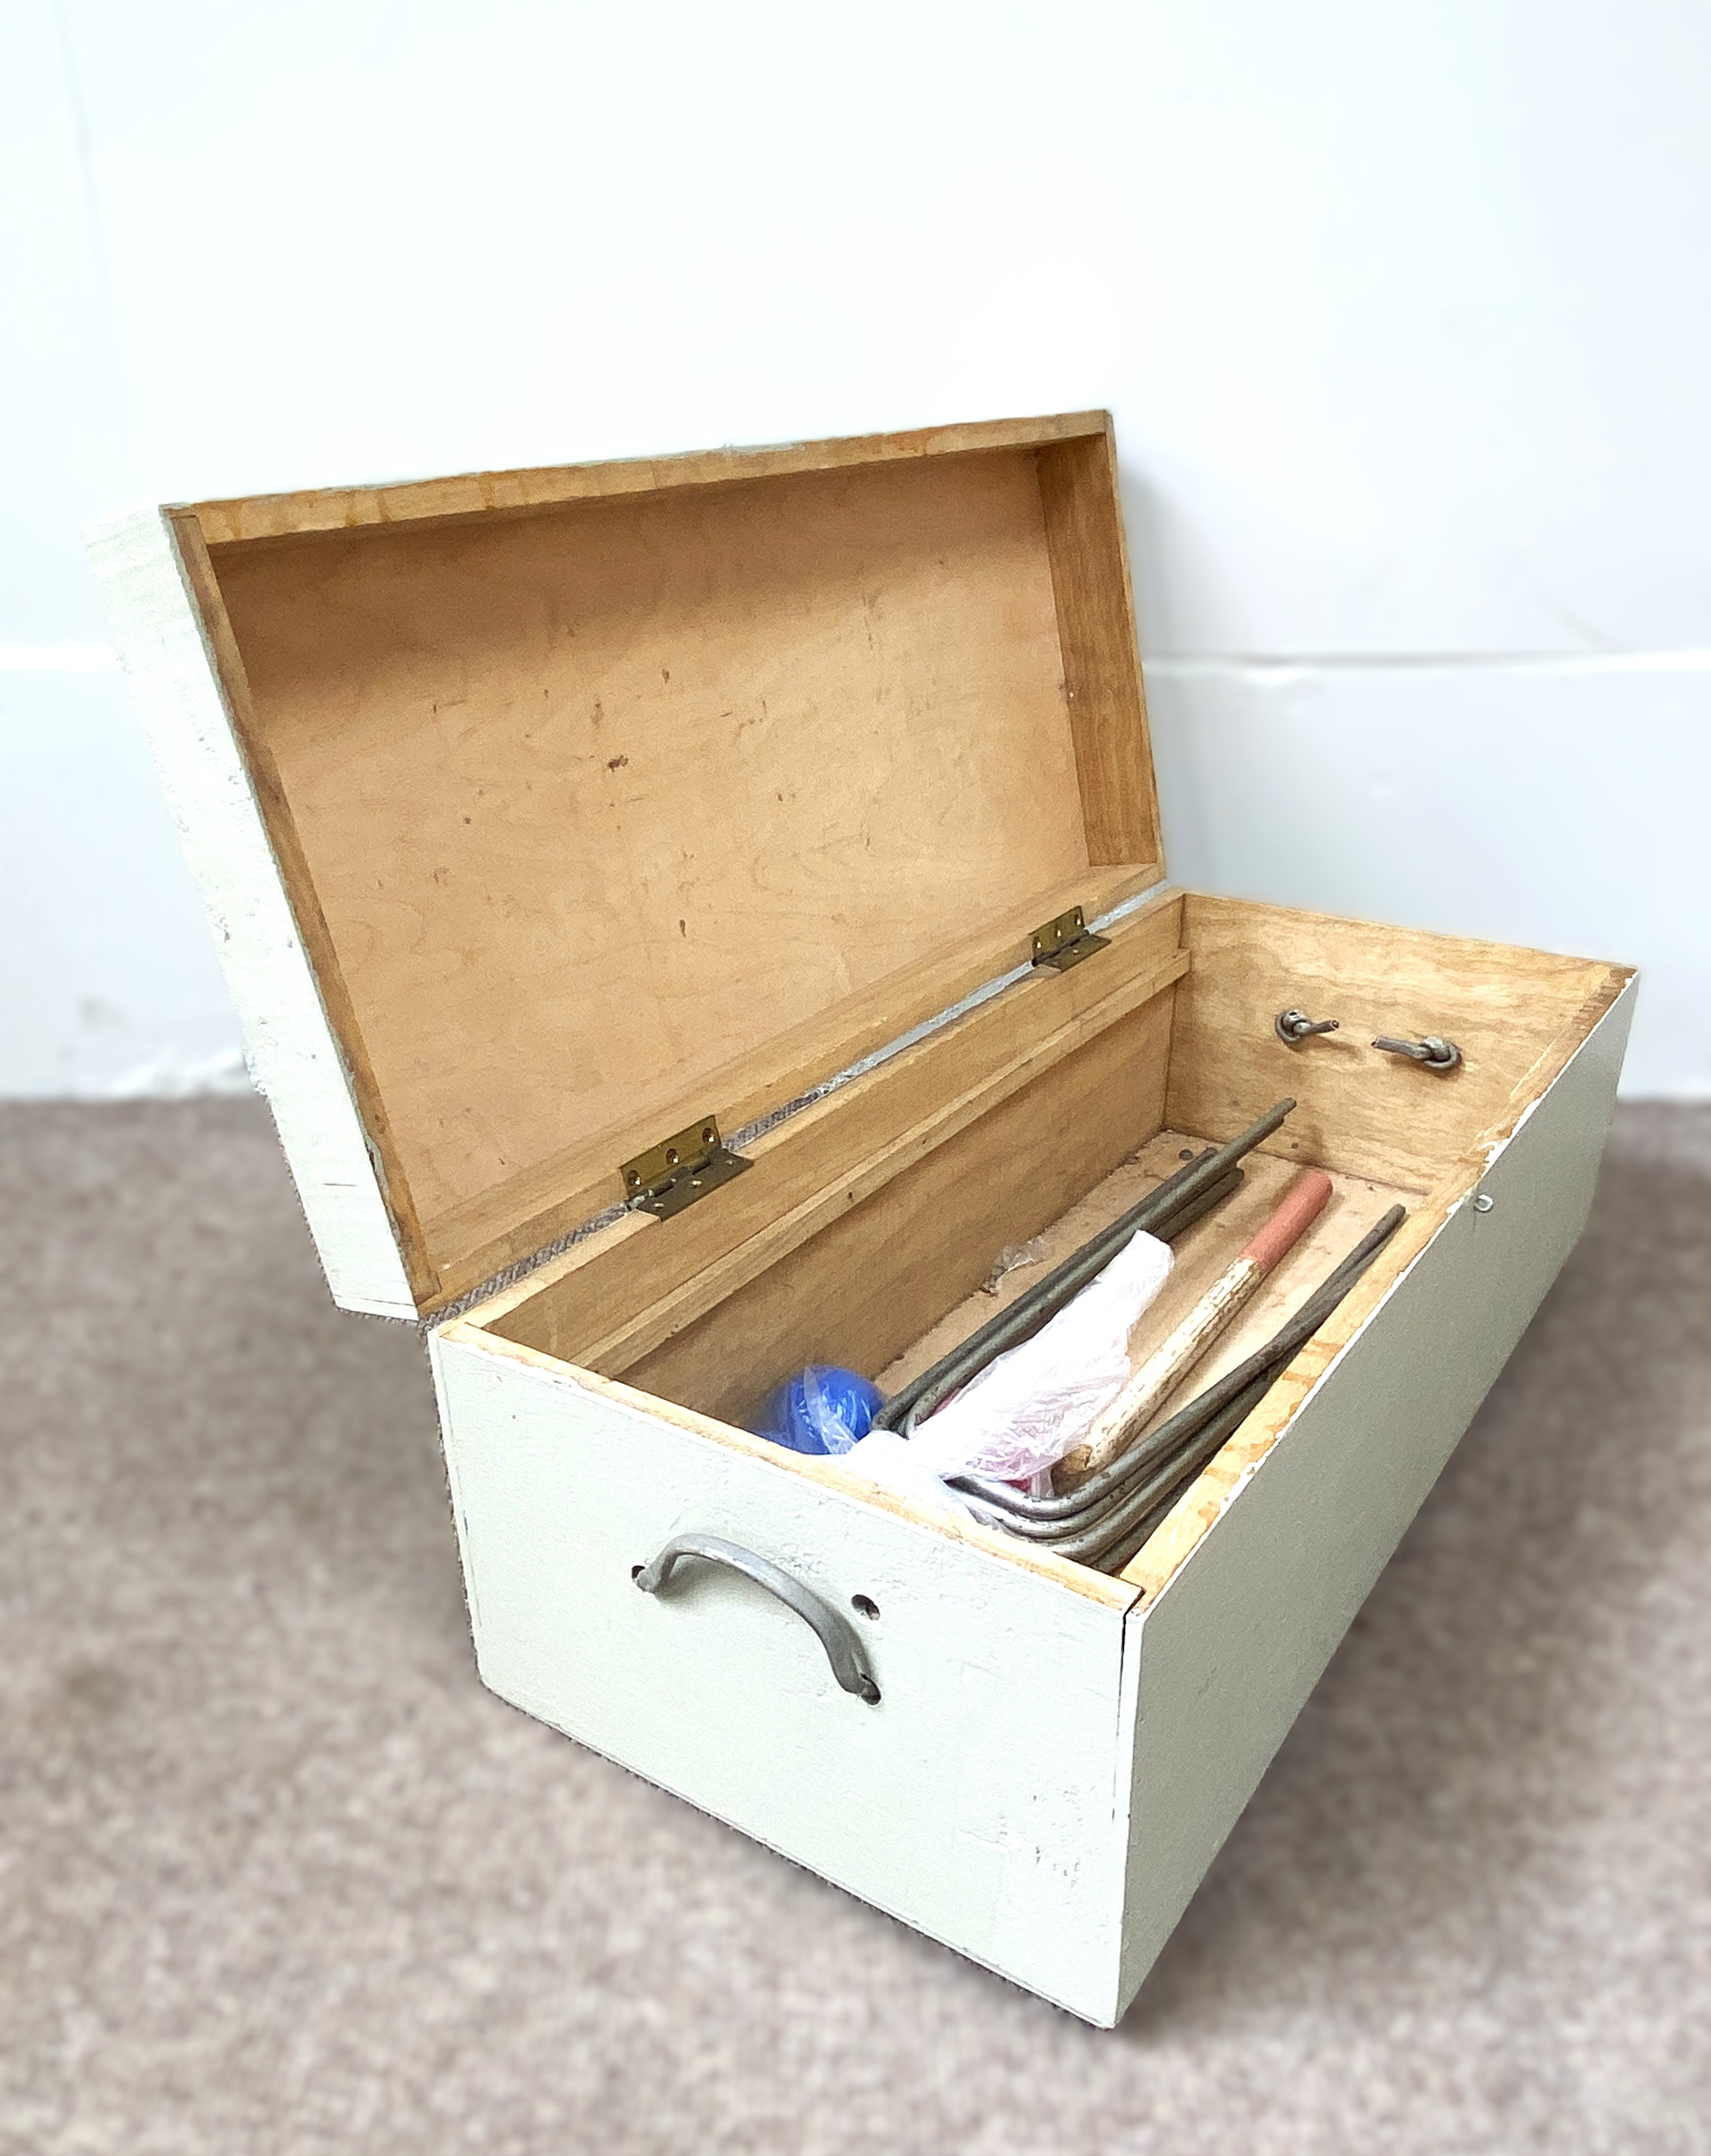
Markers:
point(1403, 314)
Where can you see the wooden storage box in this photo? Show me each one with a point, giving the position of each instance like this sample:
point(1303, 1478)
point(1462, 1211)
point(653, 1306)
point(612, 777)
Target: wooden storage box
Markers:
point(544, 814)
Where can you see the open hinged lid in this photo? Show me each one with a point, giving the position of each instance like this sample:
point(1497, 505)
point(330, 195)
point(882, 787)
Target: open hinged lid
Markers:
point(544, 812)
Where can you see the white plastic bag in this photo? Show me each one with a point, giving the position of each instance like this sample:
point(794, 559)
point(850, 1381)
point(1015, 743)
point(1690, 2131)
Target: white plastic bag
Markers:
point(895, 1463)
point(1030, 1406)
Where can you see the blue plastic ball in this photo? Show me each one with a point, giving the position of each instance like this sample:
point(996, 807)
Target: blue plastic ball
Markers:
point(821, 1410)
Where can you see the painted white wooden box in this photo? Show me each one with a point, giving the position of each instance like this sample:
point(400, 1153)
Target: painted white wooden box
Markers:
point(543, 814)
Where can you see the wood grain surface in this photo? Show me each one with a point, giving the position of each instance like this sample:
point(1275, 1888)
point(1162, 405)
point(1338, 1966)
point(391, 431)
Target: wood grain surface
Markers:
point(1361, 1111)
point(875, 1276)
point(547, 486)
point(626, 1290)
point(586, 811)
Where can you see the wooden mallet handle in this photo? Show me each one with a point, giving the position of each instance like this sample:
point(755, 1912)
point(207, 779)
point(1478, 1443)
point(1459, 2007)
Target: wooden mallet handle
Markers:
point(1305, 1201)
point(1165, 1368)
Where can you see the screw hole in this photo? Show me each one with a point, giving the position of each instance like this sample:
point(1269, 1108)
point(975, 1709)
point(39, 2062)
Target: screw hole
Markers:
point(864, 1606)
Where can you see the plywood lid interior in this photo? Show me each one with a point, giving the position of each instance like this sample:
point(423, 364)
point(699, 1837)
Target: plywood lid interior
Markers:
point(610, 810)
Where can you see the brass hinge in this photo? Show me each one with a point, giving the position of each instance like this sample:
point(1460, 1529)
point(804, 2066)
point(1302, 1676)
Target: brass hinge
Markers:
point(1066, 941)
point(675, 1173)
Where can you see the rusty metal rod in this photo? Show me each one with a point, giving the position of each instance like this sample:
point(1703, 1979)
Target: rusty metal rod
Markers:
point(1088, 1520)
point(1020, 1319)
point(1182, 1470)
point(956, 1369)
point(1176, 1203)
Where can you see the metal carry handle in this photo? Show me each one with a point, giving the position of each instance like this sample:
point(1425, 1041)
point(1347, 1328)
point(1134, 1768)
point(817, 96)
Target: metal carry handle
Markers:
point(837, 1634)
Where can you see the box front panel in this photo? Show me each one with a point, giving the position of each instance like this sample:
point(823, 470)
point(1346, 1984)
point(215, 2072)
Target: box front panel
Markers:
point(977, 1801)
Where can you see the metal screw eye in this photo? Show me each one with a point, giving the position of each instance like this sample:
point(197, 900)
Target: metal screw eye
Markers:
point(1431, 1049)
point(1293, 1027)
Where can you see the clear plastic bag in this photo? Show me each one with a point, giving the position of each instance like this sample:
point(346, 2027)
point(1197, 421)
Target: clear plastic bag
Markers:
point(1012, 1258)
point(1031, 1405)
point(1020, 1416)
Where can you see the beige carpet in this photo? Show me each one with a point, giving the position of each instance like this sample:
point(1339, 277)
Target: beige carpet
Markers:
point(276, 1874)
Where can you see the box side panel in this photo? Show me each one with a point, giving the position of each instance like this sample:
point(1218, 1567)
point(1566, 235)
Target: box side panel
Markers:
point(293, 1055)
point(344, 508)
point(976, 1800)
point(1226, 1657)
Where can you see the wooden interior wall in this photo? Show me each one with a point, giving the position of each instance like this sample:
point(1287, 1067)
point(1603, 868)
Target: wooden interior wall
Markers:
point(624, 1292)
point(1360, 1111)
point(867, 1285)
point(517, 1217)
